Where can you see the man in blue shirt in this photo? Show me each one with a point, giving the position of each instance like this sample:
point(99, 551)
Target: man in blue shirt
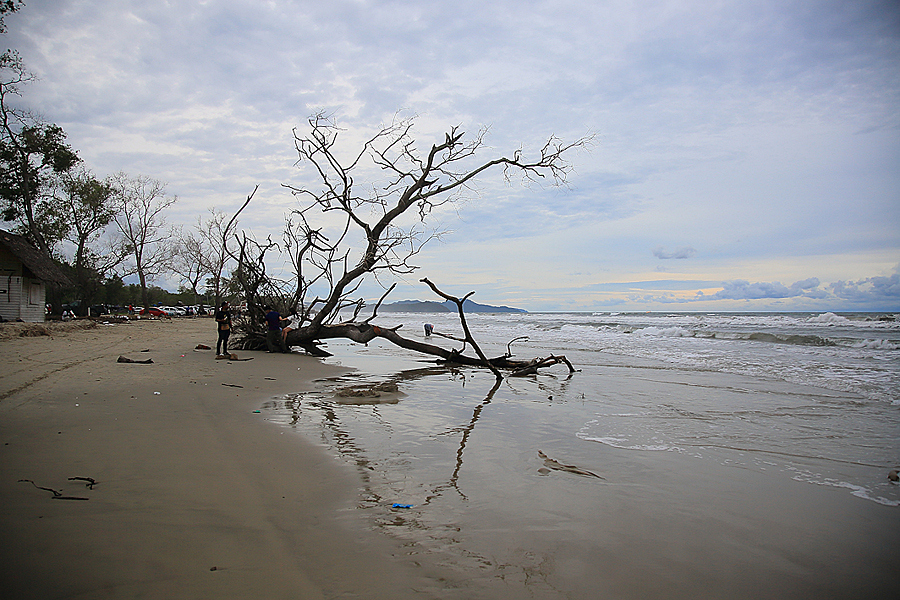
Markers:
point(274, 321)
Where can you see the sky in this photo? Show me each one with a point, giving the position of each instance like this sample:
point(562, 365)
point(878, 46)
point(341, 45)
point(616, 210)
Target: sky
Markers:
point(746, 154)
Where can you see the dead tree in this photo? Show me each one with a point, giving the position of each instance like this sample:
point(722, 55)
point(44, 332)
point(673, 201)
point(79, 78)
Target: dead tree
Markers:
point(141, 221)
point(344, 231)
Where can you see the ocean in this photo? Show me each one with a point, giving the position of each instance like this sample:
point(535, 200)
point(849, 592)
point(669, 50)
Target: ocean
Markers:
point(730, 433)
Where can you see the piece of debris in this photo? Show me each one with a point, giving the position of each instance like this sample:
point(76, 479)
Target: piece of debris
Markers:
point(231, 356)
point(369, 391)
point(125, 359)
point(90, 482)
point(57, 495)
point(233, 385)
point(894, 475)
point(202, 347)
point(554, 464)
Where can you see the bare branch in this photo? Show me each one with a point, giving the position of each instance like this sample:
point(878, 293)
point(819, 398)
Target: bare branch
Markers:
point(378, 304)
point(462, 319)
point(142, 225)
point(349, 226)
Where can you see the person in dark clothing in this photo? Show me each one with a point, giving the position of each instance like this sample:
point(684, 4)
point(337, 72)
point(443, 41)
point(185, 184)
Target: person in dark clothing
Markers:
point(274, 322)
point(223, 320)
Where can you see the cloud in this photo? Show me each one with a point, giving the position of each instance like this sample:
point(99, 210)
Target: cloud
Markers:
point(740, 289)
point(872, 293)
point(658, 284)
point(871, 289)
point(685, 252)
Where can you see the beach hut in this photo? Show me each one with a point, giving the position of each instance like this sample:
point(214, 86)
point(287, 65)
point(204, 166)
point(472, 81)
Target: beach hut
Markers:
point(25, 273)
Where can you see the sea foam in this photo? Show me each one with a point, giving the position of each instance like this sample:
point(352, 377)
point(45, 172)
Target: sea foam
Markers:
point(828, 318)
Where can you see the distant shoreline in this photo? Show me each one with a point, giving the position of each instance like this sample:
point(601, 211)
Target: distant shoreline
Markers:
point(419, 306)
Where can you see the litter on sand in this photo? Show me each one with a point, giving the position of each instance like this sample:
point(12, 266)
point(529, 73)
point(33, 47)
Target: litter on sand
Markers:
point(125, 359)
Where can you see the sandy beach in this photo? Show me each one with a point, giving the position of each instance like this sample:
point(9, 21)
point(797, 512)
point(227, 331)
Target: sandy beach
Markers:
point(196, 495)
point(247, 479)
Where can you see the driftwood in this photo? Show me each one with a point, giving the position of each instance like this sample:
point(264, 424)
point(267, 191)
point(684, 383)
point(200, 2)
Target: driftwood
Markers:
point(57, 495)
point(462, 319)
point(89, 482)
point(532, 367)
point(364, 332)
point(552, 463)
point(125, 359)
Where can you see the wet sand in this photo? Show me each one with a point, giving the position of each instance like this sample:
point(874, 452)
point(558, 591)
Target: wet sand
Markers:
point(507, 502)
point(197, 496)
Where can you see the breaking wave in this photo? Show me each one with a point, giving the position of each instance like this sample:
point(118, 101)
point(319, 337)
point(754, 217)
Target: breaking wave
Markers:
point(827, 318)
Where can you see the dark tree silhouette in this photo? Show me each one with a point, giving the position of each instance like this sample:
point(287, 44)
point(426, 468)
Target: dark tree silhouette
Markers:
point(345, 230)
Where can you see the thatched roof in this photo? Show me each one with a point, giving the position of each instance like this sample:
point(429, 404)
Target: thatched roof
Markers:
point(40, 265)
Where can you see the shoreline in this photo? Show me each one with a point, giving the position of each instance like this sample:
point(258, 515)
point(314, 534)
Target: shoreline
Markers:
point(197, 495)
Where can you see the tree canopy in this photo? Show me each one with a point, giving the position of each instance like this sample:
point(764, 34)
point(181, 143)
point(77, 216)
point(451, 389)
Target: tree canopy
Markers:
point(32, 153)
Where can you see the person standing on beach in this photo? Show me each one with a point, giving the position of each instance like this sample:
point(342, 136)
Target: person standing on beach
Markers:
point(274, 321)
point(223, 319)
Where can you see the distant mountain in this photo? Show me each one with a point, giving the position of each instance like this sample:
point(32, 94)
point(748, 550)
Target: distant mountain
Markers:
point(474, 307)
point(418, 306)
point(414, 306)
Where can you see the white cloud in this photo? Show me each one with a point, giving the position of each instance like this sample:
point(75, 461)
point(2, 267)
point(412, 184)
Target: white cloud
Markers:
point(744, 290)
point(871, 289)
point(684, 252)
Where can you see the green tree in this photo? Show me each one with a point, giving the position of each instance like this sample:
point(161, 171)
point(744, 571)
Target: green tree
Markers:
point(8, 6)
point(32, 152)
point(114, 291)
point(81, 209)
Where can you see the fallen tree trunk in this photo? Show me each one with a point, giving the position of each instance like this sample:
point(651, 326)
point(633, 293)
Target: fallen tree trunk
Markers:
point(364, 333)
point(343, 232)
point(308, 337)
